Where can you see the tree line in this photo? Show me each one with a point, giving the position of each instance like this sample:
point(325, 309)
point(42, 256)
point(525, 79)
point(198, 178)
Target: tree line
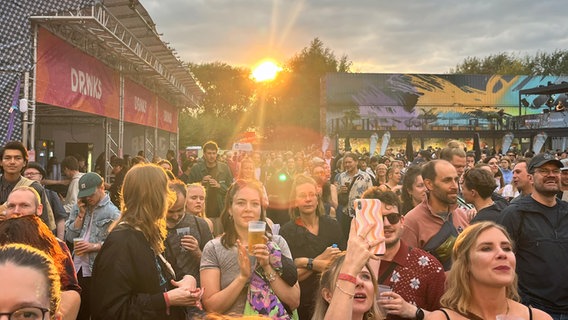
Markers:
point(285, 112)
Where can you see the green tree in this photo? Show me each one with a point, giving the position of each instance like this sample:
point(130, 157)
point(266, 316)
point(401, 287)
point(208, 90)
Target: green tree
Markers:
point(542, 63)
point(228, 94)
point(298, 88)
point(501, 63)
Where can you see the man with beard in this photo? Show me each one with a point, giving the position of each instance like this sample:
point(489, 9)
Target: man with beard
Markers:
point(434, 224)
point(187, 235)
point(216, 177)
point(415, 276)
point(538, 225)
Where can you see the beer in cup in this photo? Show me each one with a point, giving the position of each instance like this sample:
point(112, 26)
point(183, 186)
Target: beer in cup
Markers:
point(75, 241)
point(256, 230)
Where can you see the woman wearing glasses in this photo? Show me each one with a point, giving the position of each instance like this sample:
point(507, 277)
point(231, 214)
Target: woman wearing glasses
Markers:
point(29, 281)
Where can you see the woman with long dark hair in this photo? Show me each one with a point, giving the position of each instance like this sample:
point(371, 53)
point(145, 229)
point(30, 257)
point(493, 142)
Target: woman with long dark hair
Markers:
point(413, 190)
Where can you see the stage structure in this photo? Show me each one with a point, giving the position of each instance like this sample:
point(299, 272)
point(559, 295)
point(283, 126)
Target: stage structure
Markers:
point(92, 73)
point(448, 106)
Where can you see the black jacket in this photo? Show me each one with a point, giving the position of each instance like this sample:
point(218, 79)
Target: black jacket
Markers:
point(126, 283)
point(540, 234)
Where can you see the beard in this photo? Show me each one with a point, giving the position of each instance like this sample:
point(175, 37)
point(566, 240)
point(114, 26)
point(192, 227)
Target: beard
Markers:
point(545, 190)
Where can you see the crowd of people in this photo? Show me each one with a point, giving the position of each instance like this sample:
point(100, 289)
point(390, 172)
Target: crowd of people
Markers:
point(465, 238)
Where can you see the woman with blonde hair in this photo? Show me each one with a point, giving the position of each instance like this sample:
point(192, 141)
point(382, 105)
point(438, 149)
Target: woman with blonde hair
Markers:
point(131, 278)
point(394, 176)
point(348, 286)
point(482, 283)
point(195, 203)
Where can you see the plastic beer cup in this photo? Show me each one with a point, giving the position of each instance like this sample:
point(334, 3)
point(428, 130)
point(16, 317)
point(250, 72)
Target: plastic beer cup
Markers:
point(256, 230)
point(75, 241)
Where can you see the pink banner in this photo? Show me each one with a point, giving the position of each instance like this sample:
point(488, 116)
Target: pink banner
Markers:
point(69, 78)
point(139, 104)
point(167, 116)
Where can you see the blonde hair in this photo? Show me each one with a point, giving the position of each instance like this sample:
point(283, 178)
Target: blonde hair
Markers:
point(146, 198)
point(37, 198)
point(198, 185)
point(329, 279)
point(458, 294)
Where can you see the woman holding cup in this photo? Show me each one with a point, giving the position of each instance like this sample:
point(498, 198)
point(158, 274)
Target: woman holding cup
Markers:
point(253, 284)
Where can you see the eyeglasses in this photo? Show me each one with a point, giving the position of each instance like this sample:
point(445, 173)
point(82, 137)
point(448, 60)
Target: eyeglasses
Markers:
point(31, 174)
point(27, 313)
point(547, 172)
point(393, 218)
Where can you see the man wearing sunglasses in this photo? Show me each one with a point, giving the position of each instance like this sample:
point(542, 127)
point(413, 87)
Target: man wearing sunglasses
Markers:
point(413, 274)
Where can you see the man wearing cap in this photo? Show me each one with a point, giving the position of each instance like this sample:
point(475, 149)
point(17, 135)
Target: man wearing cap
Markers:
point(87, 228)
point(538, 225)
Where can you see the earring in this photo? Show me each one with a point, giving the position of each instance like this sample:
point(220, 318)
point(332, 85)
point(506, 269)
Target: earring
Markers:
point(230, 217)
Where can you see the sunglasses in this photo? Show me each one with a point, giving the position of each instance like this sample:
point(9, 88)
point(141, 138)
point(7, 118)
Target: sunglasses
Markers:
point(393, 218)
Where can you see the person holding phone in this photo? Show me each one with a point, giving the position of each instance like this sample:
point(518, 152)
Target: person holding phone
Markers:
point(415, 276)
point(348, 286)
point(88, 227)
point(315, 239)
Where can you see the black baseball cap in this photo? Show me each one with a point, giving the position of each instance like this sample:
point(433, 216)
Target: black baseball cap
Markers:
point(541, 159)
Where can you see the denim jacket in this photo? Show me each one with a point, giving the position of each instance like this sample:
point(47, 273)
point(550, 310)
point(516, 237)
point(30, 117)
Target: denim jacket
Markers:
point(103, 215)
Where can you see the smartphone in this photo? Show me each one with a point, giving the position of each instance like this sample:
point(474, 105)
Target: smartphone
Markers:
point(368, 212)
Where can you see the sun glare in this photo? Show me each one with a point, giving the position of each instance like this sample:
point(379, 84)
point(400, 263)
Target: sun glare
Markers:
point(266, 71)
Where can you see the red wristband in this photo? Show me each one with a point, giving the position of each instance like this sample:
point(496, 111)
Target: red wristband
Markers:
point(346, 277)
point(167, 300)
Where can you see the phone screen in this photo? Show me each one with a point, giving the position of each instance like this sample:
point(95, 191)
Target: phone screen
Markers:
point(368, 212)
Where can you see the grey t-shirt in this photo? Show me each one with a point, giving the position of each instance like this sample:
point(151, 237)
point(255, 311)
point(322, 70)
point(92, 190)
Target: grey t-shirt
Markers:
point(216, 256)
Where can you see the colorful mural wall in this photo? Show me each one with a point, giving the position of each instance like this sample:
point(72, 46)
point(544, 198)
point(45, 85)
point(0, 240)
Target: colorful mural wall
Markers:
point(417, 101)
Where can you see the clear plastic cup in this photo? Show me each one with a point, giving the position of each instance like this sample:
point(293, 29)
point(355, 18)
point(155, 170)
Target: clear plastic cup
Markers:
point(256, 231)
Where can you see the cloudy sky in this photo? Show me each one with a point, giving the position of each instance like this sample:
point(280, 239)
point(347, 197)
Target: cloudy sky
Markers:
point(419, 36)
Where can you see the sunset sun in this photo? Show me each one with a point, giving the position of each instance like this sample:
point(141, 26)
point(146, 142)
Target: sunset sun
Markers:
point(266, 71)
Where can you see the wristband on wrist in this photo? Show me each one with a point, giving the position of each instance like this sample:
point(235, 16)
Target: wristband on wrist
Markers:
point(167, 300)
point(347, 277)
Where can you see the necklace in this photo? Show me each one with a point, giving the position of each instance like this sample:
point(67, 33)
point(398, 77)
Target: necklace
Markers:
point(472, 316)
